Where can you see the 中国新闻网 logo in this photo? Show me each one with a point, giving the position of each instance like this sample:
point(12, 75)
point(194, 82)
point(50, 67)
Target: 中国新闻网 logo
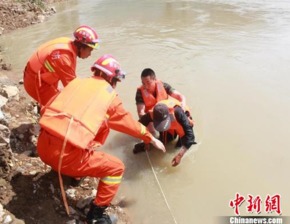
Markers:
point(256, 204)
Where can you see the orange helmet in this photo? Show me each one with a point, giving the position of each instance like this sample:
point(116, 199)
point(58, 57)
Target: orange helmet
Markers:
point(87, 35)
point(108, 64)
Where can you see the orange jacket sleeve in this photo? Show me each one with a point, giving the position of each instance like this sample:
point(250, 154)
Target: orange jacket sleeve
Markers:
point(122, 121)
point(64, 66)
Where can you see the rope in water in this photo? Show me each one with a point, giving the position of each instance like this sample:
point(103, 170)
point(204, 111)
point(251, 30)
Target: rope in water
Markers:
point(159, 185)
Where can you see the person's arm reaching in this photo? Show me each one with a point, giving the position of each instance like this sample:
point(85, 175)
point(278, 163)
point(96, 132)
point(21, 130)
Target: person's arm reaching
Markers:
point(177, 95)
point(158, 144)
point(122, 121)
point(188, 139)
point(177, 158)
point(140, 103)
point(141, 109)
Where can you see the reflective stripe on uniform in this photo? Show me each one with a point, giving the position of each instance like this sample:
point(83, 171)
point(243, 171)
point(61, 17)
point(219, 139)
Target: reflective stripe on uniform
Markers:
point(143, 130)
point(48, 66)
point(112, 179)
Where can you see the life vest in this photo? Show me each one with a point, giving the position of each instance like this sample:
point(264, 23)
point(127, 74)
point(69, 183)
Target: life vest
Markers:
point(78, 112)
point(149, 99)
point(175, 127)
point(39, 64)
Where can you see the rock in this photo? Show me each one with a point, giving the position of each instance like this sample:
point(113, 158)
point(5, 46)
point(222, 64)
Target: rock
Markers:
point(41, 18)
point(53, 9)
point(6, 158)
point(10, 92)
point(7, 218)
point(3, 100)
point(4, 135)
point(6, 67)
point(3, 119)
point(81, 204)
point(4, 80)
point(1, 30)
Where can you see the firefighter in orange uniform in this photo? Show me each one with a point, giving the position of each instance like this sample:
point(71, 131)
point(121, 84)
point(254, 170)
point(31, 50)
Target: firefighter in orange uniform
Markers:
point(55, 61)
point(78, 120)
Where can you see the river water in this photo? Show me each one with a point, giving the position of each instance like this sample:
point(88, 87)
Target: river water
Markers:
point(231, 59)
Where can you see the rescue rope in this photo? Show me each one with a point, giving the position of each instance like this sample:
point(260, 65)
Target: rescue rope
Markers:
point(38, 81)
point(160, 187)
point(59, 167)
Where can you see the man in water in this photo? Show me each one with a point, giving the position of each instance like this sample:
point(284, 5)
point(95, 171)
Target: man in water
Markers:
point(172, 121)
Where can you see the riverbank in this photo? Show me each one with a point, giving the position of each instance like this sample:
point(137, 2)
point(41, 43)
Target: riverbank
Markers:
point(29, 190)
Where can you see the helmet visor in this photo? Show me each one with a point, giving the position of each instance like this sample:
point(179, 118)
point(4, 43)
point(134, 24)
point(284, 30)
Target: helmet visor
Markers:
point(94, 45)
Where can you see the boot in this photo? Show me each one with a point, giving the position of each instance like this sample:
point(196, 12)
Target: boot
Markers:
point(96, 215)
point(139, 147)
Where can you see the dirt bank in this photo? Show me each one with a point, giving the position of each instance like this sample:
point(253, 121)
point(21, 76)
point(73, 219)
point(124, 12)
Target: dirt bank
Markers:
point(15, 14)
point(29, 190)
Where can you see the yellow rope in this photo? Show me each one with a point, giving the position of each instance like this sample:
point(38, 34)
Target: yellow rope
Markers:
point(159, 185)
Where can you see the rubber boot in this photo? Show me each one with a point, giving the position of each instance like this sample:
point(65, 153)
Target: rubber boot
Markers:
point(139, 147)
point(96, 215)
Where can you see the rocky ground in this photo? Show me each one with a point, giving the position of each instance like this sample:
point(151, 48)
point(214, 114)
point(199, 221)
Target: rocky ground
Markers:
point(29, 190)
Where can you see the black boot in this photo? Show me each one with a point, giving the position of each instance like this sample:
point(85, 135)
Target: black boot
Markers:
point(96, 215)
point(139, 147)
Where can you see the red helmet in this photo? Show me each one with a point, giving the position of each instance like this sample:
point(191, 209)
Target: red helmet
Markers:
point(87, 36)
point(108, 64)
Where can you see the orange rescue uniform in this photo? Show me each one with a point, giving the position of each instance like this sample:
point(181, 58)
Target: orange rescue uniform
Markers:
point(53, 61)
point(78, 119)
point(149, 99)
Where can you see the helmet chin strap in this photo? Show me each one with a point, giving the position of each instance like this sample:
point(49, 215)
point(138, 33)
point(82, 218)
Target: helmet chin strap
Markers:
point(114, 82)
point(79, 52)
point(104, 76)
